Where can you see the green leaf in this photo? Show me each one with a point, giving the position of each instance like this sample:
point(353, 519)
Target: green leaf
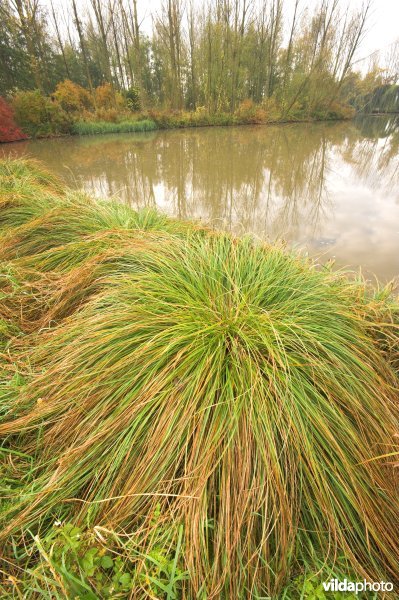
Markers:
point(106, 562)
point(125, 580)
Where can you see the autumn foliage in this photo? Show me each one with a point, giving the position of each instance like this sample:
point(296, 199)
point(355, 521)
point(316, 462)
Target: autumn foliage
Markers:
point(72, 97)
point(9, 131)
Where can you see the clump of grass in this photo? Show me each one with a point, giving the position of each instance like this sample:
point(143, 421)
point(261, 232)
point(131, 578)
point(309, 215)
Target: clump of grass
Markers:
point(49, 234)
point(30, 224)
point(25, 173)
point(12, 374)
point(383, 312)
point(231, 387)
point(96, 127)
point(27, 190)
point(212, 382)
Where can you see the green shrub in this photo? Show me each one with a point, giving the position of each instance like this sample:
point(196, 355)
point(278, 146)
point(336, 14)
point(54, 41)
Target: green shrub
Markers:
point(39, 116)
point(223, 119)
point(133, 99)
point(273, 109)
point(199, 118)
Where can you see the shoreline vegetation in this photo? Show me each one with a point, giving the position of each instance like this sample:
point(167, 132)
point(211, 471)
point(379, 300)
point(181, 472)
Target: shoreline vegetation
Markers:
point(72, 110)
point(82, 128)
point(69, 111)
point(186, 414)
point(226, 63)
point(164, 121)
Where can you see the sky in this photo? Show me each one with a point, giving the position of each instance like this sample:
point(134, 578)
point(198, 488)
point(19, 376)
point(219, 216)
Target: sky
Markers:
point(383, 25)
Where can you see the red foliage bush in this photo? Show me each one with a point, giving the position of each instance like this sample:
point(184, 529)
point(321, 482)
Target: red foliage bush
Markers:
point(9, 131)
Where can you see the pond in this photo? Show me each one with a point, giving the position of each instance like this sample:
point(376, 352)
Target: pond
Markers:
point(331, 189)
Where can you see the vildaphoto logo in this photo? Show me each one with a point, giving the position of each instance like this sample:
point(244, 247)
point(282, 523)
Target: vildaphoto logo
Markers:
point(335, 585)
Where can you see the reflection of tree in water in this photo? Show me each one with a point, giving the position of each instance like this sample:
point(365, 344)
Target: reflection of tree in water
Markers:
point(375, 127)
point(262, 179)
point(374, 156)
point(109, 165)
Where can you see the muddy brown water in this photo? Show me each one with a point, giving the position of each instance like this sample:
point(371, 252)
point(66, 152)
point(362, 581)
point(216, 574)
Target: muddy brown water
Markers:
point(331, 189)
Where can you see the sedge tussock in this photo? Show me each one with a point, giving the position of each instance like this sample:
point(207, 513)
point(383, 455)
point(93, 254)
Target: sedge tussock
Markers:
point(231, 387)
point(28, 175)
point(211, 384)
point(71, 218)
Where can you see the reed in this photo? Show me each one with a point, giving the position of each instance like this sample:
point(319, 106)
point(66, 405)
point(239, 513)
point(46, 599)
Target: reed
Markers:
point(102, 127)
point(232, 388)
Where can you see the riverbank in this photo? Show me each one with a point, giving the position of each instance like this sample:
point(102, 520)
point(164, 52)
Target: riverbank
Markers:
point(147, 363)
point(81, 128)
point(38, 116)
point(182, 122)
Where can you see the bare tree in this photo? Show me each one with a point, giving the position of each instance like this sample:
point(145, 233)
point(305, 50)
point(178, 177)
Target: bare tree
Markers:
point(60, 42)
point(83, 47)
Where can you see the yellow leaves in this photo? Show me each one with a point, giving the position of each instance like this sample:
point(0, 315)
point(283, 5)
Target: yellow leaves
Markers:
point(72, 97)
point(105, 96)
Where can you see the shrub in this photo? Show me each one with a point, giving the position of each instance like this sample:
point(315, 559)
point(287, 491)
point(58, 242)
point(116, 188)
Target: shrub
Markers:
point(272, 109)
point(246, 107)
point(161, 118)
point(337, 110)
point(30, 109)
point(60, 121)
point(38, 115)
point(223, 119)
point(298, 111)
point(109, 115)
point(180, 119)
point(105, 96)
point(251, 113)
point(9, 131)
point(72, 97)
point(133, 99)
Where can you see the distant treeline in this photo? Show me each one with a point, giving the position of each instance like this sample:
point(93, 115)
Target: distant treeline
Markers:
point(223, 57)
point(212, 55)
point(383, 99)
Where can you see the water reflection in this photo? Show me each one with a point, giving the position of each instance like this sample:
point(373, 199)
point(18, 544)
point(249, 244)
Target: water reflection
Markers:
point(330, 187)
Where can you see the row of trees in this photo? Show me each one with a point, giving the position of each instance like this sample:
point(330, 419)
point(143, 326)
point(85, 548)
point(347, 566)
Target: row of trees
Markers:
point(213, 54)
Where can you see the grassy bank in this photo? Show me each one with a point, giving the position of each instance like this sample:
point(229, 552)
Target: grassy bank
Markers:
point(185, 414)
point(156, 121)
